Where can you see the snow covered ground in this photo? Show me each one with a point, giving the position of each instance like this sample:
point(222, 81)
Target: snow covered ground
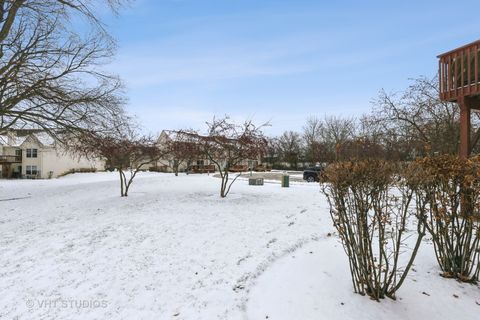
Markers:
point(71, 248)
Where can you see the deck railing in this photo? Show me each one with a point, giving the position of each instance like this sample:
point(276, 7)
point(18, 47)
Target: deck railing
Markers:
point(10, 159)
point(459, 72)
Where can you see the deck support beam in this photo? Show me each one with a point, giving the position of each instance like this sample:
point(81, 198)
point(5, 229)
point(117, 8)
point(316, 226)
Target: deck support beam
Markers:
point(465, 128)
point(466, 105)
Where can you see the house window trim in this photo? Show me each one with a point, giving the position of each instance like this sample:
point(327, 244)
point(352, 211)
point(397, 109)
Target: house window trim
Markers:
point(30, 171)
point(31, 153)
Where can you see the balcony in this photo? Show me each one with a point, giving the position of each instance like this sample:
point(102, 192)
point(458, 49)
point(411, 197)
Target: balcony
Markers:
point(10, 159)
point(459, 72)
point(201, 169)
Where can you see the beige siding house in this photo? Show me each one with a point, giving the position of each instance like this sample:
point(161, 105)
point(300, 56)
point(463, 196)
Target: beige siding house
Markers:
point(25, 154)
point(199, 163)
point(169, 161)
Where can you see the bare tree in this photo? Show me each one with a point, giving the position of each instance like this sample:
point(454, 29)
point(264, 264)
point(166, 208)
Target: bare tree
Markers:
point(360, 148)
point(228, 144)
point(182, 147)
point(272, 154)
point(290, 147)
point(312, 139)
point(50, 75)
point(124, 151)
point(420, 120)
point(335, 131)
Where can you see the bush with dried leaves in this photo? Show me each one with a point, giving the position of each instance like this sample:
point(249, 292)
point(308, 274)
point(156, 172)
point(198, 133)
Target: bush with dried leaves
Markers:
point(371, 208)
point(449, 188)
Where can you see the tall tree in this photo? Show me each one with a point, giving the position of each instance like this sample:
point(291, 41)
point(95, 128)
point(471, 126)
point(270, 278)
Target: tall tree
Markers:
point(419, 119)
point(336, 131)
point(272, 155)
point(290, 146)
point(312, 139)
point(50, 69)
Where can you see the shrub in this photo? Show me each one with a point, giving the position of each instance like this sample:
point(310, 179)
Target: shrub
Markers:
point(370, 208)
point(162, 168)
point(79, 170)
point(449, 189)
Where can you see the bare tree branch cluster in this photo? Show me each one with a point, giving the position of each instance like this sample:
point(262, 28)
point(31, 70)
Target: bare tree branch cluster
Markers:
point(122, 148)
point(401, 126)
point(227, 144)
point(50, 71)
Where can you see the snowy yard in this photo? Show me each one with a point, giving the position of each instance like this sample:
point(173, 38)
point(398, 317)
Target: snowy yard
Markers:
point(73, 249)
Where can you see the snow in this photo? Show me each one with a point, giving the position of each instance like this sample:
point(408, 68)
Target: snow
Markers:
point(44, 138)
point(175, 250)
point(314, 283)
point(11, 141)
point(14, 140)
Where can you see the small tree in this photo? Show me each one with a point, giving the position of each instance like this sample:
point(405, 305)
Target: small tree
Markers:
point(124, 152)
point(228, 144)
point(182, 147)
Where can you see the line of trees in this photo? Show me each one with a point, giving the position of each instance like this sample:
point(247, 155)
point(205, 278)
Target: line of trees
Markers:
point(401, 126)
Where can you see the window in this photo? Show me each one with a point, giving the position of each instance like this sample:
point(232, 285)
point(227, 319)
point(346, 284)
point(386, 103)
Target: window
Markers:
point(31, 153)
point(200, 163)
point(31, 170)
point(18, 152)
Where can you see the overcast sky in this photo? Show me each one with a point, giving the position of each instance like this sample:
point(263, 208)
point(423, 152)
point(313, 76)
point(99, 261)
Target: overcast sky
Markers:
point(184, 61)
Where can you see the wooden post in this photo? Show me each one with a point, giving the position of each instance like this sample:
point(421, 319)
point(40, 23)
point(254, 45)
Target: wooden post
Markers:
point(465, 125)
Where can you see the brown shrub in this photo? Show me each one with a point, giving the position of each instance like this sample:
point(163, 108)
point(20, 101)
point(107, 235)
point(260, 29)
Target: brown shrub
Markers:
point(370, 207)
point(449, 188)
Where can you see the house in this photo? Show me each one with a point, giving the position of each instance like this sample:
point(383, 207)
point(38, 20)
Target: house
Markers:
point(185, 155)
point(35, 154)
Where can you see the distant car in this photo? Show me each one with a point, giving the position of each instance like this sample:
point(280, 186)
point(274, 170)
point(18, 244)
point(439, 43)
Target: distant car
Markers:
point(312, 174)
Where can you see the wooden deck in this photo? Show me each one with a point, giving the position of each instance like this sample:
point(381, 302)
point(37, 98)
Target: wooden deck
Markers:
point(459, 72)
point(201, 169)
point(10, 159)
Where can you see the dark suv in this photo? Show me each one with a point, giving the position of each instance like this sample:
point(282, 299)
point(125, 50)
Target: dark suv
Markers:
point(312, 174)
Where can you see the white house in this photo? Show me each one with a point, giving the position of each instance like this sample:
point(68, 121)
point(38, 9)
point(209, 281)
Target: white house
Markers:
point(35, 154)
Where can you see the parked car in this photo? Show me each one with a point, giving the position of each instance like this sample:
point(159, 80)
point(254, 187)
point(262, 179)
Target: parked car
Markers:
point(312, 174)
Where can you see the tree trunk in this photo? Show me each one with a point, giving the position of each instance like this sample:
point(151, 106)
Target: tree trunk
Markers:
point(121, 182)
point(223, 188)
